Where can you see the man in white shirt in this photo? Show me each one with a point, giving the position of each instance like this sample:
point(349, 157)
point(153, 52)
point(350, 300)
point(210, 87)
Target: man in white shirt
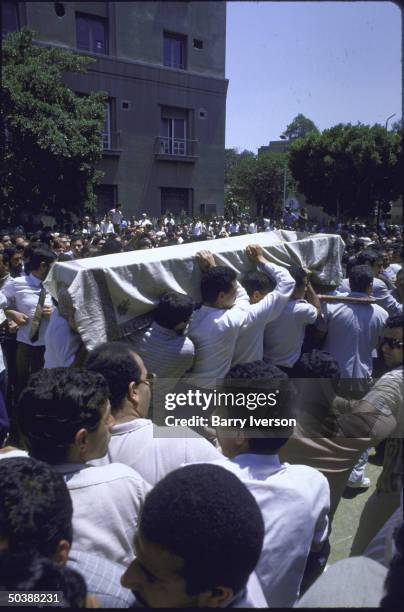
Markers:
point(294, 499)
point(283, 338)
point(354, 330)
point(116, 218)
point(197, 227)
point(135, 441)
point(199, 540)
point(65, 419)
point(30, 306)
point(382, 295)
point(265, 305)
point(145, 221)
point(62, 340)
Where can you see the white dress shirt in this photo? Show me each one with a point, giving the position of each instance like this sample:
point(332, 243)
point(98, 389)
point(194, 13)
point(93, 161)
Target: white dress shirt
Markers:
point(283, 338)
point(250, 341)
point(214, 332)
point(61, 342)
point(295, 502)
point(106, 506)
point(22, 294)
point(353, 332)
point(116, 216)
point(381, 294)
point(150, 451)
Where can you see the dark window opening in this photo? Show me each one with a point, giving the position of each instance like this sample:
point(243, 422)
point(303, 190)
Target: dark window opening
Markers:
point(174, 50)
point(125, 105)
point(198, 44)
point(91, 33)
point(107, 197)
point(9, 17)
point(175, 200)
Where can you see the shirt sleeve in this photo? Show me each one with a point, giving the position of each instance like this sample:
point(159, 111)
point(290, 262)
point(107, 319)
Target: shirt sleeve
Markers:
point(385, 299)
point(305, 313)
point(10, 293)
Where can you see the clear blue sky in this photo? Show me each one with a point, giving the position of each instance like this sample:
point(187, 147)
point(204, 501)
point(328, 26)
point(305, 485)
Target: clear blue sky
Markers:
point(332, 61)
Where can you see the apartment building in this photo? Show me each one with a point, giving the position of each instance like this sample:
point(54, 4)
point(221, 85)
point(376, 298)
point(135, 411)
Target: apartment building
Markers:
point(162, 65)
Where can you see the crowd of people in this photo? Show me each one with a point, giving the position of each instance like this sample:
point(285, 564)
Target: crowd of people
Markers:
point(98, 502)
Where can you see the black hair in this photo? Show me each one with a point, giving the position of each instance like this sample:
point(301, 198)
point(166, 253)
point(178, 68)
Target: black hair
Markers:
point(55, 405)
point(35, 507)
point(317, 364)
point(111, 246)
point(39, 255)
point(9, 252)
point(360, 278)
point(369, 256)
point(35, 573)
point(205, 515)
point(215, 280)
point(299, 275)
point(257, 281)
point(244, 382)
point(394, 583)
point(173, 308)
point(115, 361)
point(395, 321)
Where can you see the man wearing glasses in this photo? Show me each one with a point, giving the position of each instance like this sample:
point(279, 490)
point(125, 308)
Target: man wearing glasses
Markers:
point(380, 415)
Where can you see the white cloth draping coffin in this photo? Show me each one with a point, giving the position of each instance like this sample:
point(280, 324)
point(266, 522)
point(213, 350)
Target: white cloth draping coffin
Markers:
point(110, 292)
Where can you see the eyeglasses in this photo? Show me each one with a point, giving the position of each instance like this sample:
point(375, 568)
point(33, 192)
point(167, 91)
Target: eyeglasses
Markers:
point(391, 342)
point(149, 380)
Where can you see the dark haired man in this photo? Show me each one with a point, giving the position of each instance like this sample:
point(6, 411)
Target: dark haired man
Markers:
point(29, 527)
point(379, 290)
point(199, 539)
point(164, 348)
point(354, 330)
point(13, 257)
point(135, 441)
point(65, 419)
point(294, 499)
point(30, 307)
point(116, 218)
point(283, 338)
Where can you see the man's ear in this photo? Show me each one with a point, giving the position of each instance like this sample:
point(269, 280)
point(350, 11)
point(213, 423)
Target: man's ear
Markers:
point(80, 439)
point(218, 597)
point(132, 393)
point(241, 440)
point(62, 552)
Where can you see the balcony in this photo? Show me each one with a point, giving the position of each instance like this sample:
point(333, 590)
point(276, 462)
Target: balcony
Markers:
point(111, 143)
point(176, 149)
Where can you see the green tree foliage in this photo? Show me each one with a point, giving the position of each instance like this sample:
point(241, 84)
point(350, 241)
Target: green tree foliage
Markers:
point(52, 135)
point(349, 170)
point(232, 158)
point(300, 127)
point(257, 183)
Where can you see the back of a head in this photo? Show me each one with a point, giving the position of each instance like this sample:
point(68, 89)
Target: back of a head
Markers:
point(173, 308)
point(395, 321)
point(205, 515)
point(41, 254)
point(35, 573)
point(55, 405)
point(361, 278)
point(115, 361)
point(111, 246)
point(35, 507)
point(368, 257)
point(215, 280)
point(299, 276)
point(265, 392)
point(257, 281)
point(317, 364)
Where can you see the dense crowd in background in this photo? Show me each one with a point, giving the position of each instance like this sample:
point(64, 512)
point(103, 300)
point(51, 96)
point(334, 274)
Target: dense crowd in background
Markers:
point(95, 500)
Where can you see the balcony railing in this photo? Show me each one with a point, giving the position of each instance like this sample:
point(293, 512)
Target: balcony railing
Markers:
point(111, 141)
point(175, 147)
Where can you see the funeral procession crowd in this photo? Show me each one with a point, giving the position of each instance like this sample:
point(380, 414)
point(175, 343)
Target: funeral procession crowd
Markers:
point(101, 507)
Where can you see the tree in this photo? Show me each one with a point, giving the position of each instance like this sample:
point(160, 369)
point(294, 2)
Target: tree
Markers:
point(258, 183)
point(232, 158)
point(349, 170)
point(300, 127)
point(52, 135)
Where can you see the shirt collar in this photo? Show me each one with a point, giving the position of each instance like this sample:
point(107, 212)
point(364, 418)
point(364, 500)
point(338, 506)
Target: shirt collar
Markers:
point(34, 280)
point(259, 461)
point(164, 331)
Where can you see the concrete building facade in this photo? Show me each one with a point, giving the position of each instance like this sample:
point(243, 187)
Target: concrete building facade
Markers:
point(162, 65)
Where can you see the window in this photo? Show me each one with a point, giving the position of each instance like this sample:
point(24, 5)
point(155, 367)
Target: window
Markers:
point(174, 50)
point(175, 200)
point(9, 17)
point(106, 130)
point(173, 136)
point(198, 44)
point(91, 33)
